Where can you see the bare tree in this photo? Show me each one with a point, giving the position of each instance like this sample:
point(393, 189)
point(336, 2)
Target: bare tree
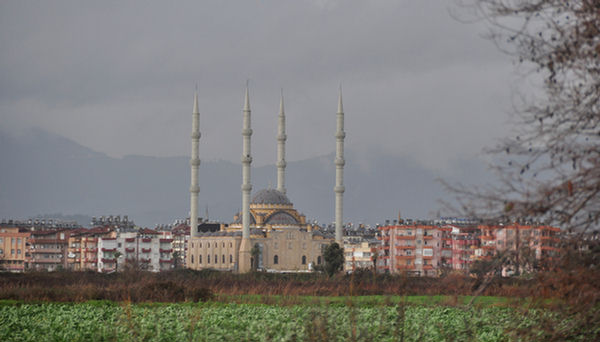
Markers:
point(550, 169)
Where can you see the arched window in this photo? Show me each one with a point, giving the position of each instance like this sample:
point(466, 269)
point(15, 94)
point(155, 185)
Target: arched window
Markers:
point(230, 258)
point(208, 259)
point(223, 258)
point(276, 260)
point(319, 260)
point(215, 245)
point(216, 259)
point(304, 260)
point(199, 259)
point(192, 258)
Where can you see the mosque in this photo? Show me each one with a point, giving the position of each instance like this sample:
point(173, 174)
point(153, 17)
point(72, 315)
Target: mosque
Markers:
point(269, 233)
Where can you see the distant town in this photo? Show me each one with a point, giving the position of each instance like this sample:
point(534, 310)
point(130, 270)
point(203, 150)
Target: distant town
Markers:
point(412, 247)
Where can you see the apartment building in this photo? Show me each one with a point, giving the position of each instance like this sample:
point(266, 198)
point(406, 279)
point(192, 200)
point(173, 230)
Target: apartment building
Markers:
point(360, 254)
point(48, 249)
point(83, 247)
point(427, 250)
point(413, 249)
point(14, 249)
point(144, 249)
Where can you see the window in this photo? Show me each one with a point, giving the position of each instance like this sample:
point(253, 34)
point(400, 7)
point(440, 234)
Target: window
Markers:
point(1, 251)
point(12, 251)
point(289, 245)
point(230, 258)
point(18, 251)
point(19, 241)
point(216, 259)
point(230, 245)
point(208, 259)
point(199, 259)
point(276, 260)
point(276, 245)
point(223, 247)
point(304, 260)
point(193, 245)
point(215, 245)
point(192, 258)
point(223, 256)
point(319, 260)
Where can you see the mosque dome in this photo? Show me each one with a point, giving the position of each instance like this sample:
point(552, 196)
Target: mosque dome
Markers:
point(282, 218)
point(270, 196)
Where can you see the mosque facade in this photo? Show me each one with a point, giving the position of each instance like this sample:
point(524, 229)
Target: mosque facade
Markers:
point(269, 233)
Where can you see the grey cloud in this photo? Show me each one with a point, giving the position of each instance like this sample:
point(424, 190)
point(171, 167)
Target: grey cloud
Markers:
point(118, 77)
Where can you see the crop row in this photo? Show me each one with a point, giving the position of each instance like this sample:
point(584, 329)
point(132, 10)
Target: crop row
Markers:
point(256, 322)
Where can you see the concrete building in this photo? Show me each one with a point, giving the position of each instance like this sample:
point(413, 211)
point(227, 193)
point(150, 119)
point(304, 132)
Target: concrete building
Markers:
point(427, 249)
point(48, 249)
point(361, 255)
point(83, 247)
point(145, 249)
point(14, 249)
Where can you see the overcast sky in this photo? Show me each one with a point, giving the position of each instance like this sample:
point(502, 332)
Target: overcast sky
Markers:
point(119, 77)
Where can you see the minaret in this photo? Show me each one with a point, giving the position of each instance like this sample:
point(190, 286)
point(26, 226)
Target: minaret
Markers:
point(281, 138)
point(339, 173)
point(245, 246)
point(194, 163)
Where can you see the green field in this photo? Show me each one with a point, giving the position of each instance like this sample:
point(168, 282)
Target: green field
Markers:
point(312, 321)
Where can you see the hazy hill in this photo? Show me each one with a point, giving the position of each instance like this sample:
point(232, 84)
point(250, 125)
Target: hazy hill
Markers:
point(44, 173)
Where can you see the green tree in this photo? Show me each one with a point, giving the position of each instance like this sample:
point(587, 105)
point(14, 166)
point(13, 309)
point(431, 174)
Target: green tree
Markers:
point(333, 256)
point(117, 256)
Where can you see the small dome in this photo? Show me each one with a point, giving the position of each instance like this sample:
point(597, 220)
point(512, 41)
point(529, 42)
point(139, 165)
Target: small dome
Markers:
point(270, 196)
point(282, 218)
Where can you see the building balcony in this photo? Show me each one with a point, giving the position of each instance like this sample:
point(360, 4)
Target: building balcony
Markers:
point(166, 261)
point(166, 240)
point(405, 267)
point(109, 249)
point(405, 256)
point(129, 250)
point(145, 261)
point(166, 250)
point(405, 237)
point(146, 240)
point(404, 247)
point(46, 261)
point(46, 250)
point(130, 240)
point(108, 261)
point(427, 237)
point(146, 250)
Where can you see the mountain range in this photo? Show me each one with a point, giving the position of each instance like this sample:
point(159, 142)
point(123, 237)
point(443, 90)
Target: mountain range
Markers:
point(42, 173)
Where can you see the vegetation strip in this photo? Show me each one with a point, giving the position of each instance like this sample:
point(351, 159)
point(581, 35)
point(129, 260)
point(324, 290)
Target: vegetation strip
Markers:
point(102, 321)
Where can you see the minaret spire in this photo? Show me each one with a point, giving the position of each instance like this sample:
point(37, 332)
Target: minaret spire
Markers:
point(244, 255)
point(281, 138)
point(194, 164)
point(339, 173)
